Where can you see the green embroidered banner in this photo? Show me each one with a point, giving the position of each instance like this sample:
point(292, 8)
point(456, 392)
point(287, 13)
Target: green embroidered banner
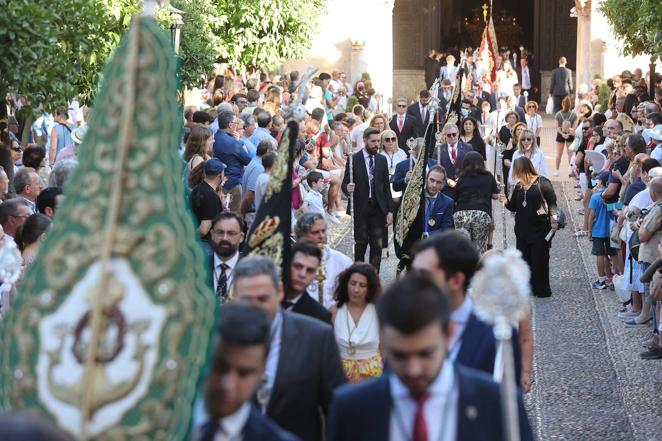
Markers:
point(112, 323)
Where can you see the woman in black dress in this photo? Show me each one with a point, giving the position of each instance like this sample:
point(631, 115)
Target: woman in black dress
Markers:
point(470, 134)
point(534, 202)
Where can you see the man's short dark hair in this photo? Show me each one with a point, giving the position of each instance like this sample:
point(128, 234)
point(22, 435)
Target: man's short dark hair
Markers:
point(253, 96)
point(649, 164)
point(263, 147)
point(48, 198)
point(655, 117)
point(307, 248)
point(242, 325)
point(424, 93)
point(455, 252)
point(413, 303)
point(637, 143)
point(599, 119)
point(268, 160)
point(238, 96)
point(324, 76)
point(305, 223)
point(314, 176)
point(317, 114)
point(225, 215)
point(369, 132)
point(202, 117)
point(33, 156)
point(358, 110)
point(466, 101)
point(263, 119)
point(225, 118)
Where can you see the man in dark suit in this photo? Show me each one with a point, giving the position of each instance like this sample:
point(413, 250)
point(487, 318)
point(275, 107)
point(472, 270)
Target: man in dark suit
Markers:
point(371, 193)
point(451, 260)
point(445, 93)
point(303, 365)
point(402, 124)
point(305, 263)
point(422, 381)
point(419, 113)
point(561, 85)
point(438, 206)
point(237, 367)
point(431, 68)
point(451, 154)
point(226, 236)
point(520, 100)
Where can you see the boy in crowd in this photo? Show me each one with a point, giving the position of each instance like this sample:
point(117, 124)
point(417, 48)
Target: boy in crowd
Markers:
point(598, 218)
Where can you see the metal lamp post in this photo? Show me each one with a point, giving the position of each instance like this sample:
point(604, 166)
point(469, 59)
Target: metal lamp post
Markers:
point(176, 27)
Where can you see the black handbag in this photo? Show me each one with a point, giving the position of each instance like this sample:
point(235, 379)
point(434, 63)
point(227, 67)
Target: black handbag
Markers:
point(561, 218)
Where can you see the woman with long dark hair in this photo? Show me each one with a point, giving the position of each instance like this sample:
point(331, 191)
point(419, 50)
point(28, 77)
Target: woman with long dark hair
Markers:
point(355, 322)
point(198, 149)
point(534, 203)
point(566, 122)
point(30, 235)
point(474, 191)
point(470, 134)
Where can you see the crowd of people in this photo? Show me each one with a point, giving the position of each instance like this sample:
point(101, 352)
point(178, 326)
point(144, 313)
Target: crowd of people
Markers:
point(290, 348)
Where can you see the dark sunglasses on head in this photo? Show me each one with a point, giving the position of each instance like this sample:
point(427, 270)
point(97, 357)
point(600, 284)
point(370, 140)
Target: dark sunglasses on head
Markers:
point(390, 139)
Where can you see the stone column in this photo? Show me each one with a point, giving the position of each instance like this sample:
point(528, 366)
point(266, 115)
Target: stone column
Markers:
point(583, 68)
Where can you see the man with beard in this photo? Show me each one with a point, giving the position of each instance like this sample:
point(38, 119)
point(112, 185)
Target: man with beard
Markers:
point(237, 367)
point(371, 195)
point(424, 395)
point(306, 259)
point(227, 234)
point(312, 227)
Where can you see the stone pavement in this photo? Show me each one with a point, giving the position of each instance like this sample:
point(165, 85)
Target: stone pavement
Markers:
point(589, 382)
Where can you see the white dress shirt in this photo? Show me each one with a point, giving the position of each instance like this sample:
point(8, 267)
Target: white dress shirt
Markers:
point(537, 159)
point(441, 409)
point(232, 426)
point(31, 205)
point(526, 78)
point(228, 272)
point(459, 318)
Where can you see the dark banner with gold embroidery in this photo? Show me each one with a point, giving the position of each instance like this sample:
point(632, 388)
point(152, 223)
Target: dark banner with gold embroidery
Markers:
point(270, 233)
point(111, 326)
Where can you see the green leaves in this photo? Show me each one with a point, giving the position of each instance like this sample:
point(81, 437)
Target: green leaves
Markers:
point(637, 24)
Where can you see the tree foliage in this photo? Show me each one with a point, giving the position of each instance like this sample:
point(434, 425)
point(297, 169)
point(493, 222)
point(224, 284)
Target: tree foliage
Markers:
point(262, 33)
point(637, 23)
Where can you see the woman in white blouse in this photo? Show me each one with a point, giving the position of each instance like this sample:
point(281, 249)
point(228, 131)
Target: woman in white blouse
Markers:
point(391, 151)
point(533, 120)
point(355, 322)
point(528, 147)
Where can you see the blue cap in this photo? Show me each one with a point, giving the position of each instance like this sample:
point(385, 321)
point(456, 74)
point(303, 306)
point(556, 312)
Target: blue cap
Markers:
point(214, 166)
point(603, 177)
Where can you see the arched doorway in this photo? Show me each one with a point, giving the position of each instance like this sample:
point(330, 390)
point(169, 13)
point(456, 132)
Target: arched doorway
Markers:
point(543, 27)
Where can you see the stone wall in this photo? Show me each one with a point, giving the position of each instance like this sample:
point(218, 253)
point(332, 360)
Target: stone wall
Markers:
point(407, 83)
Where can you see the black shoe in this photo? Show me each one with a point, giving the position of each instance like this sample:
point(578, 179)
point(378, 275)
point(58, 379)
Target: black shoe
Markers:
point(652, 354)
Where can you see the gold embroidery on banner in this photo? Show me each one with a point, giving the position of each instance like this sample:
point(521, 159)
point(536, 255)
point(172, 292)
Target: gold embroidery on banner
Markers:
point(411, 198)
point(279, 171)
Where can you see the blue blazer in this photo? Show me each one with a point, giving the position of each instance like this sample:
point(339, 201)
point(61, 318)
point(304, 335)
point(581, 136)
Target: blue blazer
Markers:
point(231, 153)
point(442, 214)
point(401, 169)
point(257, 428)
point(479, 347)
point(361, 412)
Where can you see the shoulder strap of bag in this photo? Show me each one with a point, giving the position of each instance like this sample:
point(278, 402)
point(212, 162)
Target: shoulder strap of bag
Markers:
point(542, 195)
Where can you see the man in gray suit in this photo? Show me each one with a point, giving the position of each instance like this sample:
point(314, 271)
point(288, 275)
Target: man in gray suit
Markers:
point(561, 85)
point(303, 364)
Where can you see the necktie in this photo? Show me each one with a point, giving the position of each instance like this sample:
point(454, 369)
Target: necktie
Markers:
point(287, 304)
point(371, 166)
point(401, 123)
point(423, 114)
point(420, 426)
point(222, 285)
point(453, 153)
point(428, 212)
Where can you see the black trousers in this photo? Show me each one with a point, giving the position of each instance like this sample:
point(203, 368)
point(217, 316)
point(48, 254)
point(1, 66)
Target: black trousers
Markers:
point(369, 230)
point(536, 255)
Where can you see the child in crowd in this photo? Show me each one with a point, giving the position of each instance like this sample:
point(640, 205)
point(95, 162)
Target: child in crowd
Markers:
point(314, 202)
point(599, 218)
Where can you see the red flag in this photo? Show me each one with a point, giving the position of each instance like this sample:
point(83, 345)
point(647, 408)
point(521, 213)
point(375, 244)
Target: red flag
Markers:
point(489, 49)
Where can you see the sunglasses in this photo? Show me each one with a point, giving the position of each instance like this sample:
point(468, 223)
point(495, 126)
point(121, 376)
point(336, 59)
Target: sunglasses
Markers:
point(451, 135)
point(527, 139)
point(390, 139)
point(402, 105)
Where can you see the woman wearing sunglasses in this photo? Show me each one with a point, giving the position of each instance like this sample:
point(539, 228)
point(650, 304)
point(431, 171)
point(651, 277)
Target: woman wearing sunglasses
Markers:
point(533, 120)
point(393, 154)
point(528, 148)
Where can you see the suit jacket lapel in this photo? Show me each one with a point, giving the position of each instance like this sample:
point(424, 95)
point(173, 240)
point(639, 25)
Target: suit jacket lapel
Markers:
point(359, 162)
point(467, 410)
point(382, 410)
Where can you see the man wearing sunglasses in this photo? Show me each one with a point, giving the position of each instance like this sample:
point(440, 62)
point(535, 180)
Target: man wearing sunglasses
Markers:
point(451, 153)
point(402, 124)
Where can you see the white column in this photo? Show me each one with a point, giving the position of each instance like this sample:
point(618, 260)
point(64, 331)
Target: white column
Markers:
point(583, 69)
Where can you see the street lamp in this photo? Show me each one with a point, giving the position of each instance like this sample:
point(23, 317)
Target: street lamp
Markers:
point(176, 26)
